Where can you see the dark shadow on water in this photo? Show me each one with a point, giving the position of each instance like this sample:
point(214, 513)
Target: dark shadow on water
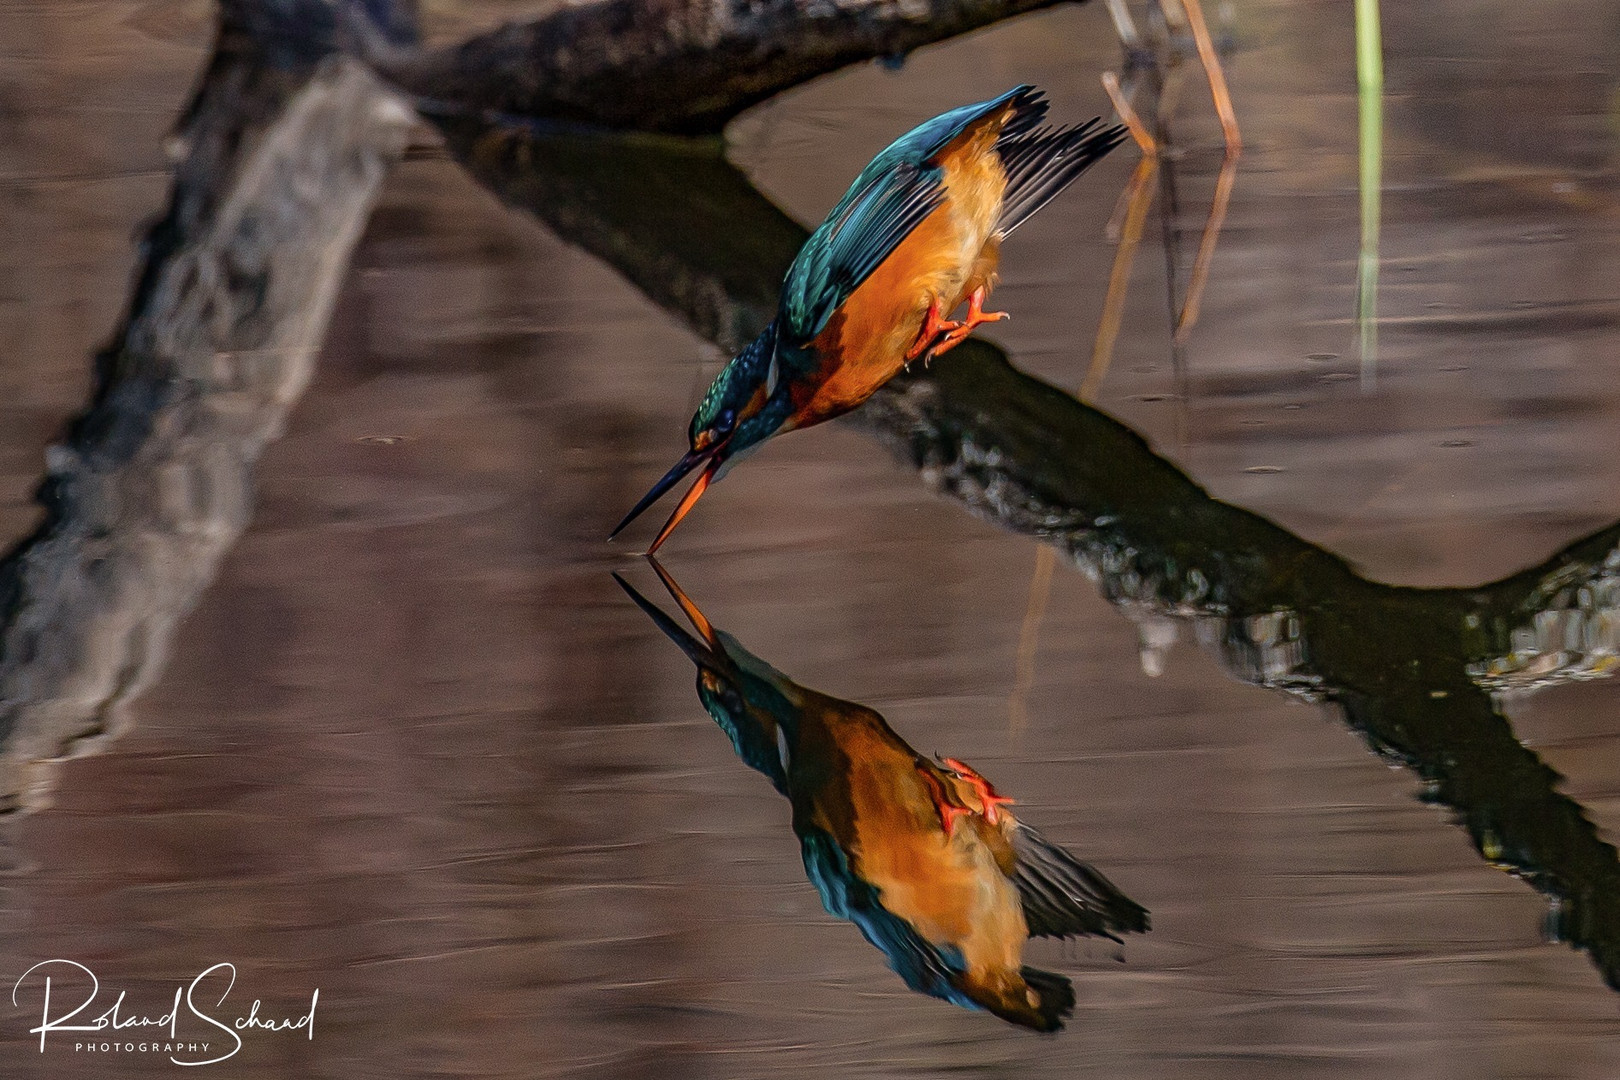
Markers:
point(1418, 672)
point(921, 855)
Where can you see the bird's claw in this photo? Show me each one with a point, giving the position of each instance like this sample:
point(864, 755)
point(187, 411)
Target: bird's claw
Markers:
point(987, 794)
point(949, 811)
point(976, 317)
point(935, 327)
point(939, 334)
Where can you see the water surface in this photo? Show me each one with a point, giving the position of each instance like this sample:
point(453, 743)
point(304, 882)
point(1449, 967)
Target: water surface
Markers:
point(414, 746)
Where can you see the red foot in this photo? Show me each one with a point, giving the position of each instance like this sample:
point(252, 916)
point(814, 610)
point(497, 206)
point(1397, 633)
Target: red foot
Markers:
point(987, 794)
point(976, 317)
point(934, 327)
point(949, 812)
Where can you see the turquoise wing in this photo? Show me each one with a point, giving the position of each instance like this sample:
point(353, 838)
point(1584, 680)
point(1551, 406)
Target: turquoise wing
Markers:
point(888, 200)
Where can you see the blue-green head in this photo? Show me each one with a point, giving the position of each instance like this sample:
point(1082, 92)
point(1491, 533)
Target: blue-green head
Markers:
point(748, 402)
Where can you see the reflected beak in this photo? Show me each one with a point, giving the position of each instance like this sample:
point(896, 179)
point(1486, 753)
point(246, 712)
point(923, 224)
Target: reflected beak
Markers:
point(699, 622)
point(700, 654)
point(689, 461)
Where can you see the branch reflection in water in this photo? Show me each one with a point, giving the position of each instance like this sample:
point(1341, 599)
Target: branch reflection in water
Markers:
point(921, 855)
point(1417, 672)
point(284, 153)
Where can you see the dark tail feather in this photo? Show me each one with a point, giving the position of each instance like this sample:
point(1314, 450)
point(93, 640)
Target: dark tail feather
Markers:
point(1042, 163)
point(1063, 896)
point(1031, 106)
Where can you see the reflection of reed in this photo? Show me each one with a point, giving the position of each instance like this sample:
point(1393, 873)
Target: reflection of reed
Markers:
point(153, 485)
point(1135, 201)
point(1411, 669)
point(1138, 198)
point(1224, 183)
point(1370, 111)
point(1029, 639)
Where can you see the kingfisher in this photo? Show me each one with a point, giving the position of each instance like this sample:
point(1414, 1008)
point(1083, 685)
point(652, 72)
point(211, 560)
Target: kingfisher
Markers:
point(918, 234)
point(922, 855)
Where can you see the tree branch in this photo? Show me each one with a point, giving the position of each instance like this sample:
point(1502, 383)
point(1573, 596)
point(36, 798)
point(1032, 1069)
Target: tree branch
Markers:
point(674, 66)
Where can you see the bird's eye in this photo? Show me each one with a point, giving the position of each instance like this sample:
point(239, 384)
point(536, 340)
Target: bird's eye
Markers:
point(726, 420)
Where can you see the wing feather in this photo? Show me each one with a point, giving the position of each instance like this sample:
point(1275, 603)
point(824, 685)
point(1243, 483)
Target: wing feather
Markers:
point(891, 197)
point(1062, 896)
point(843, 253)
point(1040, 163)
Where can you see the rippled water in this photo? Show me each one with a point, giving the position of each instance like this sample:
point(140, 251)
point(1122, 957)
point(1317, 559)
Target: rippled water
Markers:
point(414, 747)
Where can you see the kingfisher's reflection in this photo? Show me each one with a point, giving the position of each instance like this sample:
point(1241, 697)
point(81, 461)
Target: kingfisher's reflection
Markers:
point(923, 856)
point(1420, 673)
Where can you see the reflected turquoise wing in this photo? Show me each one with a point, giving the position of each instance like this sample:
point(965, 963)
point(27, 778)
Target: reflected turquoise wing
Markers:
point(925, 967)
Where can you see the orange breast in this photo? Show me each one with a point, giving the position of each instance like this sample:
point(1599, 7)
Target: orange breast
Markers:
point(946, 257)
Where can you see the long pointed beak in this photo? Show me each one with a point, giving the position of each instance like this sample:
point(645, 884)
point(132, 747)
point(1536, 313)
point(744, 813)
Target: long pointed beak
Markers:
point(689, 500)
point(689, 461)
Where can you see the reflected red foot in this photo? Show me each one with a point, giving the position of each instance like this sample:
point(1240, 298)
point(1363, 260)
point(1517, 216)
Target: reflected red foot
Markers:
point(949, 812)
point(935, 326)
point(987, 794)
point(976, 317)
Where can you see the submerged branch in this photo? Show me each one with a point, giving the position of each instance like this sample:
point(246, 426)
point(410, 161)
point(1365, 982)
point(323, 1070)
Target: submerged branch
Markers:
point(154, 482)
